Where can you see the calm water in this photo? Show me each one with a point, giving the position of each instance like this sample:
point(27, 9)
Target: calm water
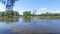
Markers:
point(29, 25)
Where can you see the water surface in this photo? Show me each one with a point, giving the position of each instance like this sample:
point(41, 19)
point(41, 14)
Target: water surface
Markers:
point(29, 25)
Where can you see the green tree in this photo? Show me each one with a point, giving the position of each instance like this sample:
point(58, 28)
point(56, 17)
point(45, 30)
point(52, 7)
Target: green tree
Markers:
point(16, 13)
point(11, 13)
point(8, 13)
point(26, 13)
point(1, 13)
point(8, 4)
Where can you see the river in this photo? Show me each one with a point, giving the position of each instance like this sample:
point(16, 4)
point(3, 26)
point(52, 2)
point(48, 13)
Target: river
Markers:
point(29, 26)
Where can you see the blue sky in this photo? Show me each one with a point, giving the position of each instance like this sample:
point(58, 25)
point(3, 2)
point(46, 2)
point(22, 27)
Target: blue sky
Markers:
point(41, 6)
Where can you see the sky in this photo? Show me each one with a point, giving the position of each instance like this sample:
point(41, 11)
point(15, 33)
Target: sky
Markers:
point(41, 6)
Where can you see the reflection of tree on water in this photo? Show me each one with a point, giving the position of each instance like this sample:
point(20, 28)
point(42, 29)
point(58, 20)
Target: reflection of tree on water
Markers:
point(9, 20)
point(27, 19)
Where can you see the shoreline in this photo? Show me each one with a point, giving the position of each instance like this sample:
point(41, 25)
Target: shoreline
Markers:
point(31, 17)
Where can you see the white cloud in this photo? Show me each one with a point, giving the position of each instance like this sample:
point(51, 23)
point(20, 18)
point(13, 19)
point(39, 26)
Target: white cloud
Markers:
point(54, 11)
point(42, 9)
point(2, 8)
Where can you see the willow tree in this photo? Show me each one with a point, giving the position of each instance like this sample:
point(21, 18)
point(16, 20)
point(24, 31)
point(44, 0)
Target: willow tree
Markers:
point(8, 4)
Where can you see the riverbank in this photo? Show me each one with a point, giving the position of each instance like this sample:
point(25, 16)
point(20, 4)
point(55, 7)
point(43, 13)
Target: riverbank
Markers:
point(9, 17)
point(31, 17)
point(56, 17)
point(50, 17)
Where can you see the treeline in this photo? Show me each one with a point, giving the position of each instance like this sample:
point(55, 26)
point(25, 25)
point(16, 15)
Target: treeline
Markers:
point(50, 14)
point(9, 13)
point(26, 14)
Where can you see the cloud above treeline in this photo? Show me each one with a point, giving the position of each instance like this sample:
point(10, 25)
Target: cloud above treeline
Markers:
point(41, 10)
point(44, 10)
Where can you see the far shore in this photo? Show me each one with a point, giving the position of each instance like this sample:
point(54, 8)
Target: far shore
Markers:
point(31, 17)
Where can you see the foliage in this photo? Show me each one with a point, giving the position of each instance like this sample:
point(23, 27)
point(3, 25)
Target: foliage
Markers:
point(8, 4)
point(16, 13)
point(50, 14)
point(9, 13)
point(9, 8)
point(1, 13)
point(27, 13)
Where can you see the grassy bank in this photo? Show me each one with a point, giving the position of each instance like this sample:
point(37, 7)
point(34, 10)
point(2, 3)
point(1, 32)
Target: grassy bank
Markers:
point(31, 16)
point(44, 17)
point(49, 16)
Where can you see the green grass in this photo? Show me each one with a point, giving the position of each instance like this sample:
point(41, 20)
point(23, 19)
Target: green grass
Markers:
point(49, 16)
point(32, 16)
